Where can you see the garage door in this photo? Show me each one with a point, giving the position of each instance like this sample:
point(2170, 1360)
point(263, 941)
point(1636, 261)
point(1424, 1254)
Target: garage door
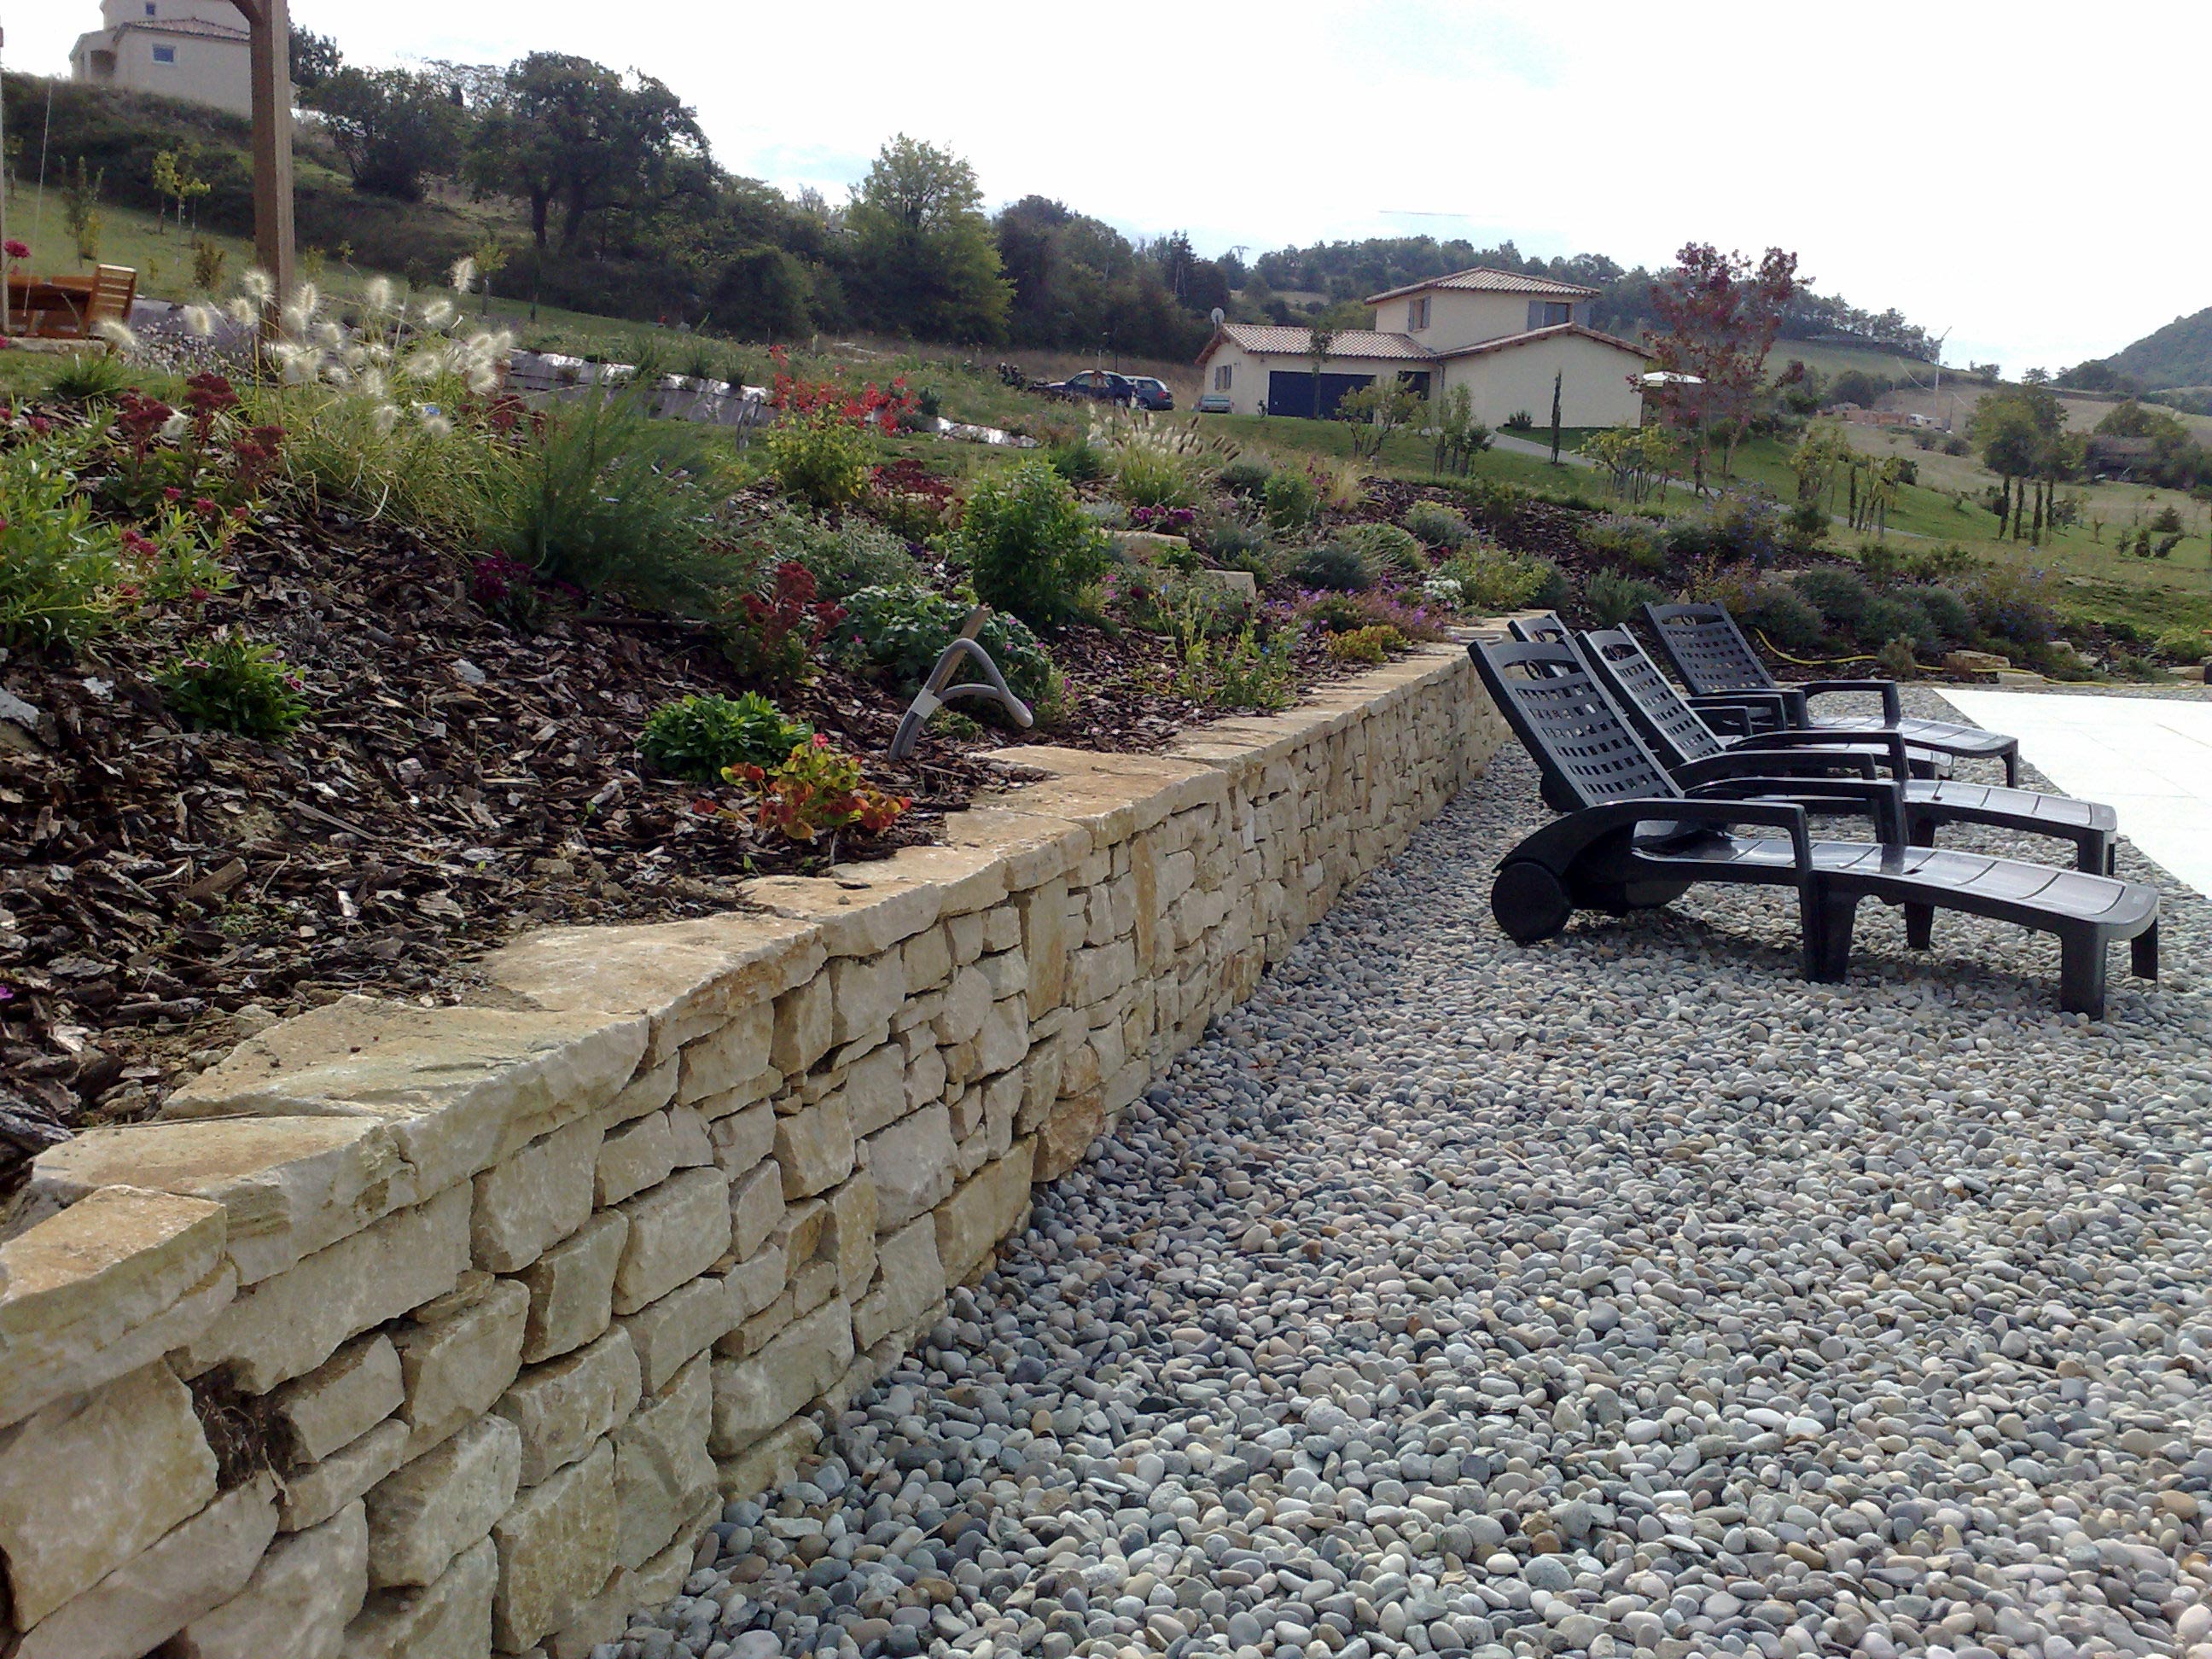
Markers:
point(1291, 392)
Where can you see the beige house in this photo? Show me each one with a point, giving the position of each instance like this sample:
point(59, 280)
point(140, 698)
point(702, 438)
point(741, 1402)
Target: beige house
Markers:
point(1502, 336)
point(196, 50)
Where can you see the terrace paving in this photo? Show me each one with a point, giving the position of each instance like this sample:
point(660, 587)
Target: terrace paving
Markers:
point(1622, 1295)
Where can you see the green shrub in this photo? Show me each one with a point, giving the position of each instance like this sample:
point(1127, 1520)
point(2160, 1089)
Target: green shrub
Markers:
point(1840, 595)
point(57, 564)
point(1784, 615)
point(1492, 581)
point(1386, 547)
point(1615, 599)
point(1894, 617)
point(1896, 659)
point(464, 486)
point(1520, 421)
point(2011, 603)
point(1493, 503)
point(229, 685)
point(818, 458)
point(1635, 544)
point(1437, 526)
point(1290, 502)
point(1147, 475)
point(902, 631)
point(1028, 546)
point(1338, 567)
point(1241, 476)
point(1370, 644)
point(1077, 460)
point(698, 737)
point(842, 557)
point(2185, 645)
point(1748, 527)
point(1229, 541)
point(1947, 612)
point(90, 379)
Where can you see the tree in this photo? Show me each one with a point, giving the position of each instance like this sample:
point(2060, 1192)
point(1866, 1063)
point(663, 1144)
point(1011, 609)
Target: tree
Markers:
point(1558, 381)
point(1377, 409)
point(1460, 437)
point(1319, 339)
point(391, 127)
point(1720, 315)
point(2022, 434)
point(176, 181)
point(921, 248)
point(315, 58)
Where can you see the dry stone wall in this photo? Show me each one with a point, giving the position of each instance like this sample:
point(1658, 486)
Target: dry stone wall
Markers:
point(416, 1333)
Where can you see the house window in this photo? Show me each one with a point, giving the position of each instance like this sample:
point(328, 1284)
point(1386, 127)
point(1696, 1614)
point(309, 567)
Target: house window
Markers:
point(150, 8)
point(165, 54)
point(1543, 313)
point(1416, 314)
point(1221, 377)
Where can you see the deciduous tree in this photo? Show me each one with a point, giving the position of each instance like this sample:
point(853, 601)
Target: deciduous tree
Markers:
point(1719, 315)
point(921, 248)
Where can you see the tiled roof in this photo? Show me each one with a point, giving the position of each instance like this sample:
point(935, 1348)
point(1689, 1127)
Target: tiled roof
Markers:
point(185, 25)
point(1487, 279)
point(1270, 338)
point(1507, 341)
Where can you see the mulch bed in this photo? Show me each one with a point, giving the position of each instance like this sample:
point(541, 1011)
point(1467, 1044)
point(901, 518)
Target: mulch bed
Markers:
point(460, 780)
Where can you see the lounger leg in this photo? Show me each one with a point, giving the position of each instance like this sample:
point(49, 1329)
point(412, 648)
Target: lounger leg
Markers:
point(2082, 973)
point(1920, 919)
point(2112, 858)
point(1828, 938)
point(2142, 953)
point(2012, 767)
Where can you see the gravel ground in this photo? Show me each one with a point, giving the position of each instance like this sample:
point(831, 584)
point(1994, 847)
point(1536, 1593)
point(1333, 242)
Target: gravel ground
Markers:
point(1622, 1295)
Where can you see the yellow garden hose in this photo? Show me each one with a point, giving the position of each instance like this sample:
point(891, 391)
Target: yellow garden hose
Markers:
point(1810, 662)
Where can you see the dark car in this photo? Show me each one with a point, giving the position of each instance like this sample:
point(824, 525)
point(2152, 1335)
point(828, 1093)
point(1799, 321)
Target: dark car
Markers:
point(1100, 383)
point(1152, 393)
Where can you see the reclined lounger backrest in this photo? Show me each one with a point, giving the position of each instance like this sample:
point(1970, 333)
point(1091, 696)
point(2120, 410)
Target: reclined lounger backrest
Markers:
point(1707, 649)
point(1676, 731)
point(1586, 753)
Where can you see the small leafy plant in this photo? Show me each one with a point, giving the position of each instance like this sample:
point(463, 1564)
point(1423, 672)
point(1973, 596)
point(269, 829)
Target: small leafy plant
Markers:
point(1027, 546)
point(815, 791)
point(233, 685)
point(1289, 502)
point(701, 738)
point(1614, 599)
point(902, 630)
point(1371, 644)
point(1437, 526)
point(776, 640)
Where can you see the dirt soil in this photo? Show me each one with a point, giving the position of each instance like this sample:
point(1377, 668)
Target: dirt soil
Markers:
point(163, 892)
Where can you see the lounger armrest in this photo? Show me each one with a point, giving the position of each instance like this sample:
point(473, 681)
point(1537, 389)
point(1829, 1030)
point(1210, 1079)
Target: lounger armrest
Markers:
point(1592, 821)
point(1890, 745)
point(1884, 801)
point(1785, 708)
point(1726, 720)
point(1892, 710)
point(1758, 763)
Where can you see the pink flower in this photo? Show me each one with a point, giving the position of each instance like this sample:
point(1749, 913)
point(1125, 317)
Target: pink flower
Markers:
point(16, 250)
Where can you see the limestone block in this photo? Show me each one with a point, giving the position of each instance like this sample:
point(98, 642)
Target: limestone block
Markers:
point(637, 1156)
point(284, 1327)
point(1007, 973)
point(663, 1474)
point(343, 1398)
point(849, 1238)
point(967, 1005)
point(723, 1058)
point(988, 1207)
point(1097, 972)
point(875, 1087)
point(190, 1571)
point(1002, 1102)
point(534, 1199)
point(652, 1089)
point(289, 1186)
point(755, 1396)
point(743, 1139)
point(449, 1619)
point(92, 1481)
point(676, 1232)
point(608, 1613)
point(814, 1147)
point(428, 1512)
point(755, 1207)
point(562, 1407)
point(802, 1027)
point(864, 992)
point(909, 1278)
point(458, 1355)
point(298, 1603)
point(557, 1546)
point(925, 1082)
point(460, 1088)
point(688, 1133)
point(755, 1282)
point(103, 1288)
point(965, 936)
point(911, 1164)
point(927, 958)
point(1068, 1134)
point(1005, 1037)
point(1041, 1074)
point(812, 1285)
point(769, 1462)
point(572, 1288)
point(313, 1495)
point(687, 977)
point(684, 1323)
point(1030, 847)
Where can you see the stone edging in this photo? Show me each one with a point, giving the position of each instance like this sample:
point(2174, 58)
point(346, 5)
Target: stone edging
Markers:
point(412, 1331)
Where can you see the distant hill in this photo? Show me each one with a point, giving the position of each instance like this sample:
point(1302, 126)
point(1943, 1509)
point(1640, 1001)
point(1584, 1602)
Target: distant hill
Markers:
point(2175, 362)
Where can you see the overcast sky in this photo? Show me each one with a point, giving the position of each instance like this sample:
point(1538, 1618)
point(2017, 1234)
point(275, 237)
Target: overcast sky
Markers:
point(2016, 173)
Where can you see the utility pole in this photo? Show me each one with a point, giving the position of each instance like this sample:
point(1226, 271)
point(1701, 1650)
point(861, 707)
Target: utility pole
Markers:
point(269, 24)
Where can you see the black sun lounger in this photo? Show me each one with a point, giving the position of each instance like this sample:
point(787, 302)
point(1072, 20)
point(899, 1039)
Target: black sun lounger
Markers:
point(1637, 840)
point(1704, 645)
point(1692, 752)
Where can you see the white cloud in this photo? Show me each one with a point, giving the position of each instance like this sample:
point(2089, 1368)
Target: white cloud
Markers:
point(2004, 170)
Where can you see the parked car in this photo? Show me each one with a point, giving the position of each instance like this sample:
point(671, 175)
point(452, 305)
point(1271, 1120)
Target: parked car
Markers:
point(1215, 403)
point(1152, 393)
point(1100, 383)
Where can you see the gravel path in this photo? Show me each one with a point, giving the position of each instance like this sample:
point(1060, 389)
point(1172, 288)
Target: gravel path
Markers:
point(1622, 1295)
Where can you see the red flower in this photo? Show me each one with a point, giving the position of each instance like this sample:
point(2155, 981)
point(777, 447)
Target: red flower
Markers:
point(16, 249)
point(172, 495)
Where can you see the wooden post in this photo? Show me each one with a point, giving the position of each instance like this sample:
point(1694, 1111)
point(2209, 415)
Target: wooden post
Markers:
point(269, 22)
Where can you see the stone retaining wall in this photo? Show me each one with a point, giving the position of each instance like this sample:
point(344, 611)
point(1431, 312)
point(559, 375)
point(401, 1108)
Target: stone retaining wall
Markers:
point(425, 1332)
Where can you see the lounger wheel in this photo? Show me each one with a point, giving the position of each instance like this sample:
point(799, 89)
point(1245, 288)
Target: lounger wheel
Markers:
point(1530, 902)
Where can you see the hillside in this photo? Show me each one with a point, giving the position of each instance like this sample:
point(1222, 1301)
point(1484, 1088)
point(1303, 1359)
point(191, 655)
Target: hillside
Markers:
point(2178, 355)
